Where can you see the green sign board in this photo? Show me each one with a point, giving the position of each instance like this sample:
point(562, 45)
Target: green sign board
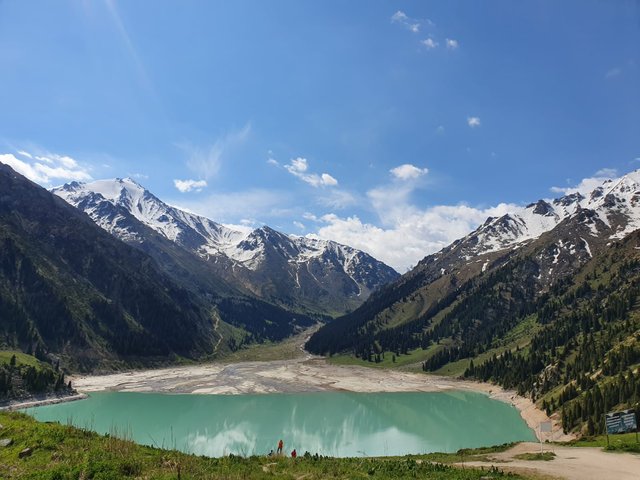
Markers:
point(621, 422)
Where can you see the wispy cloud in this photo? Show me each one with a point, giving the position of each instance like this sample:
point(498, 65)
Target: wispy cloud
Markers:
point(185, 186)
point(299, 167)
point(408, 172)
point(416, 25)
point(411, 24)
point(613, 73)
point(206, 161)
point(473, 122)
point(125, 38)
point(44, 168)
point(251, 205)
point(137, 175)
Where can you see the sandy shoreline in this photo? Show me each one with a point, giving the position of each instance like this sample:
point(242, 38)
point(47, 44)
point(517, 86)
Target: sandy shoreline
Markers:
point(308, 374)
point(40, 401)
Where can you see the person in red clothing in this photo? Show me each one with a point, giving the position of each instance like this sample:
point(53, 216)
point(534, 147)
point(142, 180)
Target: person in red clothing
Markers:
point(280, 446)
point(294, 454)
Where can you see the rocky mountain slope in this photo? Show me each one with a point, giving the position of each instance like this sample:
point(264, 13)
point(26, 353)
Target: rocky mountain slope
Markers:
point(73, 292)
point(296, 272)
point(557, 237)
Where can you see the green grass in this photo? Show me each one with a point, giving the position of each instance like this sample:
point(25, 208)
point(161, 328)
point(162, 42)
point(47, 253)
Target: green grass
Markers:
point(65, 452)
point(544, 456)
point(288, 349)
point(21, 358)
point(625, 442)
point(412, 357)
point(518, 337)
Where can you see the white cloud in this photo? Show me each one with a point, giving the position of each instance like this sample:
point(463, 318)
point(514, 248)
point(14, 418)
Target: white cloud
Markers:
point(328, 179)
point(473, 122)
point(430, 43)
point(189, 185)
point(451, 44)
point(22, 168)
point(411, 233)
point(299, 167)
point(206, 161)
point(300, 225)
point(45, 168)
point(408, 172)
point(273, 161)
point(586, 185)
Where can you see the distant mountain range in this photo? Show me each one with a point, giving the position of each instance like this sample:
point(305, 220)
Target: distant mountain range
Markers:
point(299, 273)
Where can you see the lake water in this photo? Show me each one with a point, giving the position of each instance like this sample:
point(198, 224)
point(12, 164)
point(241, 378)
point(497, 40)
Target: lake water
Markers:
point(328, 423)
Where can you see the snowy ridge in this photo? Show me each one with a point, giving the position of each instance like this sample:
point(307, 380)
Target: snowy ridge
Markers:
point(616, 204)
point(108, 202)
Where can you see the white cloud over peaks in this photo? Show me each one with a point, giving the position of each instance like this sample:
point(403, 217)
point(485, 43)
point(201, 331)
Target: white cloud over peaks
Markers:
point(206, 161)
point(451, 43)
point(45, 168)
point(408, 172)
point(473, 122)
point(586, 185)
point(411, 234)
point(299, 167)
point(189, 185)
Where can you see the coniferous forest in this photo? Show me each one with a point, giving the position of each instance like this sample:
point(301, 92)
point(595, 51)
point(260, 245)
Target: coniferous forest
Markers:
point(582, 349)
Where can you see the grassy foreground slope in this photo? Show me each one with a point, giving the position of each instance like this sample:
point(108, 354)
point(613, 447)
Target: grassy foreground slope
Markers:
point(65, 452)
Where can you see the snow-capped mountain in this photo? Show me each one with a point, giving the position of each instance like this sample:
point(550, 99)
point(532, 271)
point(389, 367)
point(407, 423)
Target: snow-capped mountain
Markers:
point(616, 204)
point(315, 273)
point(517, 257)
point(558, 236)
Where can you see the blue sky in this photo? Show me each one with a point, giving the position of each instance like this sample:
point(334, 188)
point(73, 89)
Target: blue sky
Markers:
point(392, 126)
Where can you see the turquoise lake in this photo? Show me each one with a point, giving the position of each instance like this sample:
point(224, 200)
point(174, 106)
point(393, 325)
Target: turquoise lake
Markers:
point(329, 423)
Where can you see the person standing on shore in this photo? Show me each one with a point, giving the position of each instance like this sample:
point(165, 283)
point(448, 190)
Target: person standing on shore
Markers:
point(280, 447)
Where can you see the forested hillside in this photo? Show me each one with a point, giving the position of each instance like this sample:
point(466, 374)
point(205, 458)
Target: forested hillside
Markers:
point(23, 375)
point(584, 359)
point(72, 293)
point(556, 316)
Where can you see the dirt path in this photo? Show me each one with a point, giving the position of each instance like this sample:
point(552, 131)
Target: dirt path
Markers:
point(571, 463)
point(216, 328)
